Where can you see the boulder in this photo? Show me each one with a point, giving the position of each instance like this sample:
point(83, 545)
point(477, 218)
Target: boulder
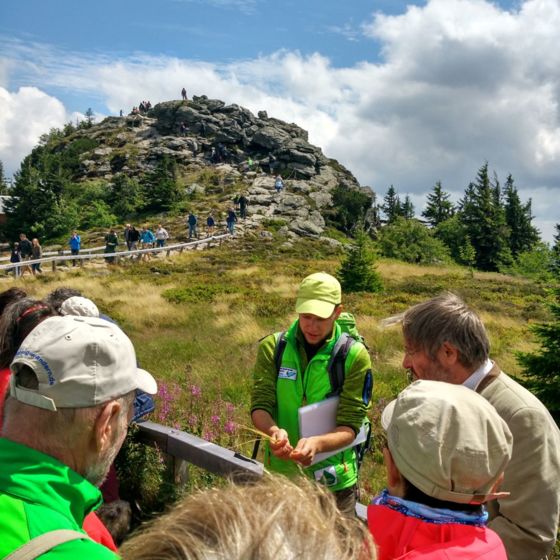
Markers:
point(271, 138)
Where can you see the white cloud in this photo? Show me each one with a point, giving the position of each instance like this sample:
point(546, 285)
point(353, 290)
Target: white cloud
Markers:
point(24, 116)
point(461, 82)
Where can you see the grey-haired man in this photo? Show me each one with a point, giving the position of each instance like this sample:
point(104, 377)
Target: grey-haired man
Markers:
point(72, 388)
point(445, 340)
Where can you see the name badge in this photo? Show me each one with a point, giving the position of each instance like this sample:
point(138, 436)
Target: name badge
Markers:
point(287, 373)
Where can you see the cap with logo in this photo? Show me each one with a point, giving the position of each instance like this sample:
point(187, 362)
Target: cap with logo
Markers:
point(448, 441)
point(79, 362)
point(318, 294)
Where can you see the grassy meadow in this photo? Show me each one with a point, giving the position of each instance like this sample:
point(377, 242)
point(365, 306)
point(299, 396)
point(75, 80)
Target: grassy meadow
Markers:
point(196, 319)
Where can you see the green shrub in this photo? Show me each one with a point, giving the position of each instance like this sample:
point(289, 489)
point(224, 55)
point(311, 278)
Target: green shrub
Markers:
point(411, 241)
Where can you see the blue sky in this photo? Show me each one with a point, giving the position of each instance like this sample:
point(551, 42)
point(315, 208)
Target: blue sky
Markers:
point(402, 93)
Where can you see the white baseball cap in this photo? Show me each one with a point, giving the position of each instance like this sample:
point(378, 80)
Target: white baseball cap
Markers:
point(78, 305)
point(79, 362)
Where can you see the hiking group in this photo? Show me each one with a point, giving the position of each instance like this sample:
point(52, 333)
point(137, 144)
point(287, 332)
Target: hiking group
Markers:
point(471, 457)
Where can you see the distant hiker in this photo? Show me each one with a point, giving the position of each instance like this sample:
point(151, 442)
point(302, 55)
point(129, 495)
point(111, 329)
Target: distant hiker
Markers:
point(230, 220)
point(25, 249)
point(278, 183)
point(161, 235)
point(183, 128)
point(250, 164)
point(213, 155)
point(111, 243)
point(271, 163)
point(243, 203)
point(184, 94)
point(36, 253)
point(126, 234)
point(210, 224)
point(75, 243)
point(148, 239)
point(133, 238)
point(120, 113)
point(191, 222)
point(15, 257)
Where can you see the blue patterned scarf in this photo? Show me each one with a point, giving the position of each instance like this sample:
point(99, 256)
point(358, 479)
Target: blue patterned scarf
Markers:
point(430, 514)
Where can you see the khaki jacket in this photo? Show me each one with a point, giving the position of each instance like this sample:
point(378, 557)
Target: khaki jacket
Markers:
point(527, 521)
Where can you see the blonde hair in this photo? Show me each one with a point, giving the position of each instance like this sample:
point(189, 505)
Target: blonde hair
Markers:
point(272, 519)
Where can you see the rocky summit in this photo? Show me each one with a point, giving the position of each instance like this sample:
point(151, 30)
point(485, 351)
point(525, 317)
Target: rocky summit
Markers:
point(245, 149)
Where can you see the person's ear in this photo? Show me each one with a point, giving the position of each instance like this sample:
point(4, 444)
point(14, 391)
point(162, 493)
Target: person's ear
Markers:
point(337, 311)
point(448, 354)
point(395, 481)
point(106, 425)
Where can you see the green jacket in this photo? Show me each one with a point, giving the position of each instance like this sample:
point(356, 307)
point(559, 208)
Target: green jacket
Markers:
point(39, 494)
point(282, 395)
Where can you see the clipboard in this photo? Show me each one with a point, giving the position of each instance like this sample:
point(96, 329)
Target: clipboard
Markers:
point(320, 418)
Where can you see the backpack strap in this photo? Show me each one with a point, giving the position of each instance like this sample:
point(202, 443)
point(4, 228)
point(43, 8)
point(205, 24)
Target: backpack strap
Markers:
point(337, 361)
point(281, 343)
point(43, 543)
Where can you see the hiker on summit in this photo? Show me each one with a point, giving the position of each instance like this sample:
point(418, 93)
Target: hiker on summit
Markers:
point(72, 387)
point(292, 370)
point(445, 340)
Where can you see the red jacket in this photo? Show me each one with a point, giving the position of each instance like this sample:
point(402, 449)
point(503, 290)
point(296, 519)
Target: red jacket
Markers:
point(97, 531)
point(399, 537)
point(4, 388)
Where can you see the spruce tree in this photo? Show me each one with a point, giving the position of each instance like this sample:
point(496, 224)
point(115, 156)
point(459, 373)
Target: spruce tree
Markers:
point(407, 209)
point(439, 207)
point(3, 182)
point(540, 368)
point(523, 235)
point(357, 271)
point(556, 252)
point(391, 205)
point(482, 214)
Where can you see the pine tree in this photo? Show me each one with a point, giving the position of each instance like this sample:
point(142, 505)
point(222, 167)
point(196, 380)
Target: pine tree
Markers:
point(391, 205)
point(523, 235)
point(407, 209)
point(90, 117)
point(439, 207)
point(357, 271)
point(541, 371)
point(3, 182)
point(161, 189)
point(482, 214)
point(556, 252)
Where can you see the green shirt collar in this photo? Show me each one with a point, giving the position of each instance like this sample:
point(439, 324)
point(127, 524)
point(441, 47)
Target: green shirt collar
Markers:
point(37, 478)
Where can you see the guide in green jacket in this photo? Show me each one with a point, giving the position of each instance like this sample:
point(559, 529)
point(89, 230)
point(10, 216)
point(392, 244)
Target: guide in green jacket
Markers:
point(303, 379)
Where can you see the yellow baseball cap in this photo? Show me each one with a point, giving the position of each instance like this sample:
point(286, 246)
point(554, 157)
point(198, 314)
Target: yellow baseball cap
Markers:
point(318, 294)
